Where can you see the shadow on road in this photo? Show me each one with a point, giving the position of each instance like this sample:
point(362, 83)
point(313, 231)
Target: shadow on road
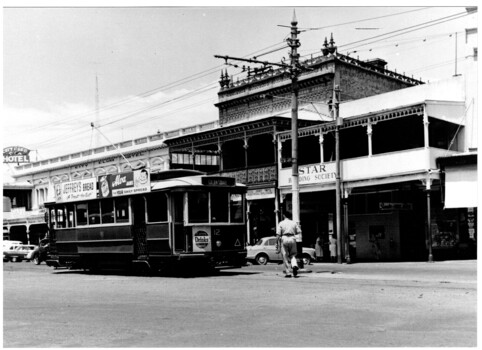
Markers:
point(170, 272)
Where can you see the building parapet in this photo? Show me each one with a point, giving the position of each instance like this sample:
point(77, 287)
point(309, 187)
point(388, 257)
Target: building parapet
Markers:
point(279, 77)
point(109, 150)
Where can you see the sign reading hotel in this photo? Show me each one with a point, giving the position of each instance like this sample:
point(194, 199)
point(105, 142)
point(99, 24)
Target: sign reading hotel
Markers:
point(123, 184)
point(16, 154)
point(78, 190)
point(310, 174)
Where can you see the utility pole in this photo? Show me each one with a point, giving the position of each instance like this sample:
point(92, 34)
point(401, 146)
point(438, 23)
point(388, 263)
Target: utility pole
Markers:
point(338, 121)
point(294, 43)
point(455, 75)
point(294, 70)
point(97, 104)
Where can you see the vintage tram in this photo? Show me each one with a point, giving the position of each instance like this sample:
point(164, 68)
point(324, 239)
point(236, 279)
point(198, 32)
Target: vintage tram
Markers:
point(141, 219)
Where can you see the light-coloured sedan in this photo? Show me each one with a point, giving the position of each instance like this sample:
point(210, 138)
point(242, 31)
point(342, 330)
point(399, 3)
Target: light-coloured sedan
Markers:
point(18, 253)
point(264, 251)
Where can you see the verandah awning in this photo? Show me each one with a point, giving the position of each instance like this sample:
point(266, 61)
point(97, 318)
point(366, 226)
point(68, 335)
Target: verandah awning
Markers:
point(461, 186)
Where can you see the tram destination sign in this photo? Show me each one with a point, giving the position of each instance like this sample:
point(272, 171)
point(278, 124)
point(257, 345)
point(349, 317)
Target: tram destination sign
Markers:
point(218, 181)
point(16, 154)
point(123, 184)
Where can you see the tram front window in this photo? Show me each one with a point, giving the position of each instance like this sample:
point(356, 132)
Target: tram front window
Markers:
point(236, 206)
point(198, 207)
point(219, 207)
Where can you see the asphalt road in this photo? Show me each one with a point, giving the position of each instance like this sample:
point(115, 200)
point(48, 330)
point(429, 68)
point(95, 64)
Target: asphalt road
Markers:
point(359, 305)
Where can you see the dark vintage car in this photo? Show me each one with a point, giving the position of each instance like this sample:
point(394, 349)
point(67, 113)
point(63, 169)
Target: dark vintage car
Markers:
point(264, 251)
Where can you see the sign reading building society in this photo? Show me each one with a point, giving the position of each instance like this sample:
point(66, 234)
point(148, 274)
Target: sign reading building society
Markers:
point(310, 174)
point(132, 182)
point(16, 154)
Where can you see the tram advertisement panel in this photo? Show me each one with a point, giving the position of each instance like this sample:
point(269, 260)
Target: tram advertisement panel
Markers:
point(201, 237)
point(132, 182)
point(78, 190)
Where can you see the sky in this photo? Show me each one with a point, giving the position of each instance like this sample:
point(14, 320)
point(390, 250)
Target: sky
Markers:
point(152, 68)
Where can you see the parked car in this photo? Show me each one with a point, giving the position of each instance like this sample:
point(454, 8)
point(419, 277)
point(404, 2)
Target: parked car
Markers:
point(40, 253)
point(264, 251)
point(8, 248)
point(17, 253)
point(7, 244)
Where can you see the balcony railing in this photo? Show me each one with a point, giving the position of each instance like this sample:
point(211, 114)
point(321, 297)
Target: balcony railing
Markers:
point(253, 176)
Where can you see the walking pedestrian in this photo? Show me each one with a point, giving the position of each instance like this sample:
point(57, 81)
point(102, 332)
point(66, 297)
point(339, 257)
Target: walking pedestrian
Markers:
point(319, 248)
point(333, 248)
point(287, 229)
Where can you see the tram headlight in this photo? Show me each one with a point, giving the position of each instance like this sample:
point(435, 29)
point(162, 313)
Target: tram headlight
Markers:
point(218, 243)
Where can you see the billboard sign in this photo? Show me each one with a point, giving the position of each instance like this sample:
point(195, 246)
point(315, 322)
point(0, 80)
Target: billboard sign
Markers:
point(77, 190)
point(123, 184)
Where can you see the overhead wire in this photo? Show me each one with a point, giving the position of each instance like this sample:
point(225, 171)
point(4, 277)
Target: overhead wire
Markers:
point(126, 115)
point(405, 30)
point(363, 20)
point(151, 92)
point(199, 75)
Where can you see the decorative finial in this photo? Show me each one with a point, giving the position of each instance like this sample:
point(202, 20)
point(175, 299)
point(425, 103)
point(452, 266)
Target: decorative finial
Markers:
point(332, 42)
point(294, 21)
point(332, 48)
point(325, 47)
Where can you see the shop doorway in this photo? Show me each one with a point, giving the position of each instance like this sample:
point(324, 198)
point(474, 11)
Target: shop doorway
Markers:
point(262, 220)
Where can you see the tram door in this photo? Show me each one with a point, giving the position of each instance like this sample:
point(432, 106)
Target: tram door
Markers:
point(179, 235)
point(139, 228)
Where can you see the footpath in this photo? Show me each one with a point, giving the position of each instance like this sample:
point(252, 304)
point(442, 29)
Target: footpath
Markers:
point(453, 271)
point(450, 271)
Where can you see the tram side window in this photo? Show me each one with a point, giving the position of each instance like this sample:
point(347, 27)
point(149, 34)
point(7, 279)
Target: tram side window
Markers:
point(81, 214)
point(219, 207)
point(53, 222)
point(94, 213)
point(198, 207)
point(70, 215)
point(121, 210)
point(236, 206)
point(156, 207)
point(60, 218)
point(107, 210)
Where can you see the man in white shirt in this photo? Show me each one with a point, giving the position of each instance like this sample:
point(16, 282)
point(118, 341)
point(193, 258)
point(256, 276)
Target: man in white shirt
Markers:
point(287, 229)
